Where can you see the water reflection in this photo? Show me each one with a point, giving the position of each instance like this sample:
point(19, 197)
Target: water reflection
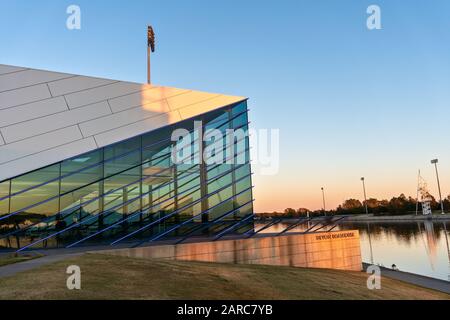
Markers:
point(420, 247)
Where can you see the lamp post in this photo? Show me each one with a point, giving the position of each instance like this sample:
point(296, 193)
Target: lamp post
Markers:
point(435, 161)
point(323, 200)
point(368, 224)
point(365, 198)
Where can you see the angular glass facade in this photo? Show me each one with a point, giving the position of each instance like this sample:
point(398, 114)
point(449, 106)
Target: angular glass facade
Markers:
point(133, 191)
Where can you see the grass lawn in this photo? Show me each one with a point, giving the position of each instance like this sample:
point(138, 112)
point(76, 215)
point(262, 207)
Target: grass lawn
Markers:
point(113, 277)
point(10, 259)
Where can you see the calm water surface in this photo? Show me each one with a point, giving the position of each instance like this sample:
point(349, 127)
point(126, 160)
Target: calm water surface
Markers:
point(417, 247)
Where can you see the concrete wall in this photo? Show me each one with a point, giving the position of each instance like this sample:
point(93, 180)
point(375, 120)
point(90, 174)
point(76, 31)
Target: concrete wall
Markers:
point(335, 250)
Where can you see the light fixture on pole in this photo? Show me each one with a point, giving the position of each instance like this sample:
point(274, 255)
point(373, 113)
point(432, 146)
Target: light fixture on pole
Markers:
point(150, 48)
point(323, 199)
point(368, 224)
point(435, 161)
point(365, 198)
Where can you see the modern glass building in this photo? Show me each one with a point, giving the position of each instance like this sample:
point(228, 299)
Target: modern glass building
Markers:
point(93, 161)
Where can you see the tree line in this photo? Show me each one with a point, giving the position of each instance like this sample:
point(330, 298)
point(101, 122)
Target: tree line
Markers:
point(395, 206)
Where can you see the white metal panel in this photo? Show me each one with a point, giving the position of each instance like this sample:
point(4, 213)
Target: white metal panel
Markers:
point(9, 69)
point(53, 122)
point(123, 118)
point(90, 96)
point(135, 129)
point(45, 158)
point(75, 84)
point(28, 78)
point(25, 95)
point(143, 97)
point(189, 98)
point(12, 151)
point(32, 111)
point(51, 131)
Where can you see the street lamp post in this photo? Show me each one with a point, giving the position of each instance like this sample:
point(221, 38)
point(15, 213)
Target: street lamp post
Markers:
point(368, 224)
point(435, 161)
point(323, 200)
point(365, 198)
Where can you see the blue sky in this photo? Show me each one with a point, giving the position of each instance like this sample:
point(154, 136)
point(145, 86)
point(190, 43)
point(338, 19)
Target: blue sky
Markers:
point(349, 102)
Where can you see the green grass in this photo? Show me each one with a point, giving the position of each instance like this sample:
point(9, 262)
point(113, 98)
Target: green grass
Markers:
point(10, 259)
point(113, 277)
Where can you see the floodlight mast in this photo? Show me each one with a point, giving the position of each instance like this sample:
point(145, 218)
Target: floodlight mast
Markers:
point(435, 161)
point(323, 199)
point(365, 197)
point(150, 48)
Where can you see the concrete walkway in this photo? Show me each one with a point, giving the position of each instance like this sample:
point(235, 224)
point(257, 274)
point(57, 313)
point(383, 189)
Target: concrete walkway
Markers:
point(12, 269)
point(412, 278)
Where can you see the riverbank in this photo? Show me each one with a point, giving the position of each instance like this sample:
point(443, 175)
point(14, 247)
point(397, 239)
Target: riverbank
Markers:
point(398, 218)
point(113, 277)
point(373, 218)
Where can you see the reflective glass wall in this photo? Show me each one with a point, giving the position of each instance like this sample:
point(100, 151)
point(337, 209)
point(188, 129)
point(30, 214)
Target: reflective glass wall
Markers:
point(137, 191)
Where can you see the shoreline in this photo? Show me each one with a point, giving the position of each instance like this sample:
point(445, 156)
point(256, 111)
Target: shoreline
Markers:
point(372, 218)
point(403, 218)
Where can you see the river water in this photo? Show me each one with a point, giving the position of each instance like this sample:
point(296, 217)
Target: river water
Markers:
point(420, 247)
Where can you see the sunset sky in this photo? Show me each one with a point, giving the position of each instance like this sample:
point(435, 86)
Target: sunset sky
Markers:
point(349, 102)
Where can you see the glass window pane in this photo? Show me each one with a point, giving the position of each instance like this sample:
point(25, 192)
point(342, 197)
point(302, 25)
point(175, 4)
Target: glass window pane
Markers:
point(240, 121)
point(34, 178)
point(125, 155)
point(85, 176)
point(221, 208)
point(243, 198)
point(217, 184)
point(217, 122)
point(220, 196)
point(245, 210)
point(36, 195)
point(241, 107)
point(81, 197)
point(4, 191)
point(120, 193)
point(243, 184)
point(242, 171)
point(47, 208)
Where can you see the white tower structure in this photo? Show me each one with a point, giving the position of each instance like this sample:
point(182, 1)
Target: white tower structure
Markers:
point(425, 197)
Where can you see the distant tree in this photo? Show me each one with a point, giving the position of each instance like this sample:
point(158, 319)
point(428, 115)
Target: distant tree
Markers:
point(447, 203)
point(351, 204)
point(398, 205)
point(302, 211)
point(289, 212)
point(373, 205)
